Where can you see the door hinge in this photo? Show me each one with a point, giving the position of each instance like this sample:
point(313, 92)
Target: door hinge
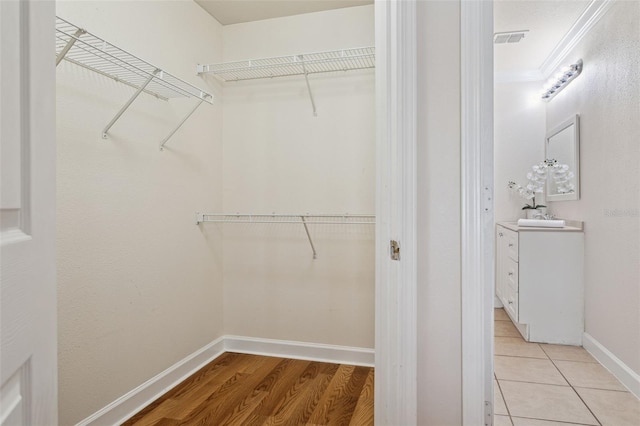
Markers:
point(488, 414)
point(394, 250)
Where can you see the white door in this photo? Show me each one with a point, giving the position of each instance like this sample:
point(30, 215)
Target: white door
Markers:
point(28, 362)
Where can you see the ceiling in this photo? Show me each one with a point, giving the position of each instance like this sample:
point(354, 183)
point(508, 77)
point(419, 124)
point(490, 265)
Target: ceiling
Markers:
point(547, 22)
point(236, 11)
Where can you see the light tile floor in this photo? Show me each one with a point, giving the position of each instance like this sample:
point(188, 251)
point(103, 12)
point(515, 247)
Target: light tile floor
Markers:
point(554, 385)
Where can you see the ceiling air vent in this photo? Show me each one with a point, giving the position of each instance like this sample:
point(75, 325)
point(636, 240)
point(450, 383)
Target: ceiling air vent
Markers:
point(509, 37)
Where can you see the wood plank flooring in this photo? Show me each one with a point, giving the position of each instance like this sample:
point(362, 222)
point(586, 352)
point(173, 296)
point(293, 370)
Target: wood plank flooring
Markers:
point(241, 389)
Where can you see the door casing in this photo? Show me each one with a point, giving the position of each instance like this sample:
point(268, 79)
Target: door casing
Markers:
point(396, 398)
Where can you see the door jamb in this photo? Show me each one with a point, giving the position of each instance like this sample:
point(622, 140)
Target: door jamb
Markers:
point(396, 319)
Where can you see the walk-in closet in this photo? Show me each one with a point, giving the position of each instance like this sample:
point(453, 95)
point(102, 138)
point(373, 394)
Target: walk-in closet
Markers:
point(215, 192)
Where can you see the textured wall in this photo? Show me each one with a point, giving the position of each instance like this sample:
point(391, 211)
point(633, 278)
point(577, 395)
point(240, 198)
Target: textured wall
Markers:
point(607, 97)
point(140, 285)
point(519, 120)
point(438, 133)
point(279, 158)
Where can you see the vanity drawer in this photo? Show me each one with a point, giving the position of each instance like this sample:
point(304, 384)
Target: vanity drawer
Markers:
point(511, 274)
point(511, 238)
point(510, 302)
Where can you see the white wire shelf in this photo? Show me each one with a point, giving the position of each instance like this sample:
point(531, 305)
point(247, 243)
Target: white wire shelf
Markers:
point(311, 219)
point(293, 218)
point(302, 64)
point(283, 66)
point(80, 47)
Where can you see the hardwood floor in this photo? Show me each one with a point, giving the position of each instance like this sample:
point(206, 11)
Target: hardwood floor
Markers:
point(240, 389)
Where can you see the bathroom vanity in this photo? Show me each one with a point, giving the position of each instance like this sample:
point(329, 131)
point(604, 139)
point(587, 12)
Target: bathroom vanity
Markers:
point(539, 280)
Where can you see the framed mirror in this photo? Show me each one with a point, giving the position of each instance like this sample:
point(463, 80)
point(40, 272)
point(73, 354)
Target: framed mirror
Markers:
point(563, 145)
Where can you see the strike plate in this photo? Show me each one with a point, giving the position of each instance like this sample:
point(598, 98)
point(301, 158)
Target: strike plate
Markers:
point(394, 250)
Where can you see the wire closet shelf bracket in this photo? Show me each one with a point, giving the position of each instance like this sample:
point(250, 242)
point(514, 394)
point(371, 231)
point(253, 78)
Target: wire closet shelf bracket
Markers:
point(293, 218)
point(86, 50)
point(285, 66)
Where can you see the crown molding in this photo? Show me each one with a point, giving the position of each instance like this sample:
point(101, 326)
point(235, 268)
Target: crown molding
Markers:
point(591, 15)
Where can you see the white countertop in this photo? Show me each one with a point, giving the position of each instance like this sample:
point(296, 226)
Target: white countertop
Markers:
point(571, 226)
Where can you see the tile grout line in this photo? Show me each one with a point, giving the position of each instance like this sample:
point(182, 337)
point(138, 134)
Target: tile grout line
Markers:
point(535, 383)
point(576, 392)
point(505, 402)
point(571, 360)
point(556, 421)
point(520, 356)
point(602, 389)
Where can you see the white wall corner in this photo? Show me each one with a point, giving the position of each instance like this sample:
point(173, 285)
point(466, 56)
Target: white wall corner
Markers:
point(589, 18)
point(135, 400)
point(624, 373)
point(477, 211)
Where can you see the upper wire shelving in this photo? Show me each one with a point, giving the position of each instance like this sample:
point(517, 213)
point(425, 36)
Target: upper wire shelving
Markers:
point(80, 47)
point(302, 64)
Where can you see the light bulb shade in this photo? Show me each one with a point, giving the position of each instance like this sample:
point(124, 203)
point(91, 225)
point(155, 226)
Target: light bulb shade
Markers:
point(561, 80)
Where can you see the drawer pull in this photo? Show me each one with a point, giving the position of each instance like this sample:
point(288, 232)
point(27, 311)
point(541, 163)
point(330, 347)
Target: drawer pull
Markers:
point(510, 245)
point(510, 302)
point(510, 274)
point(500, 234)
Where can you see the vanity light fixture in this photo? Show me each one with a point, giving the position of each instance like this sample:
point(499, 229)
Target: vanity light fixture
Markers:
point(558, 82)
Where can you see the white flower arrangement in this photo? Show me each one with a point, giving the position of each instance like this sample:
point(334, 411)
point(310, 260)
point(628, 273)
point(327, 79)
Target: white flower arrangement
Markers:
point(537, 180)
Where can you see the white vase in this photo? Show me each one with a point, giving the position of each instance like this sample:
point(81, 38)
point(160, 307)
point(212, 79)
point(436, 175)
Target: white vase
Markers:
point(534, 213)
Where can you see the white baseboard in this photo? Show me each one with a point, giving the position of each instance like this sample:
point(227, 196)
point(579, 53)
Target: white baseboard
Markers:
point(626, 375)
point(300, 350)
point(135, 400)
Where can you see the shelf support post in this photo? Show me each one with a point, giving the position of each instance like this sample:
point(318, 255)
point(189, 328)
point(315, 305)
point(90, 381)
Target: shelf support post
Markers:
point(69, 45)
point(129, 102)
point(306, 78)
point(306, 228)
point(180, 124)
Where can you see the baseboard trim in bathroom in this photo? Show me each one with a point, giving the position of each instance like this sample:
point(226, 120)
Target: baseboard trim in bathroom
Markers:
point(626, 375)
point(135, 400)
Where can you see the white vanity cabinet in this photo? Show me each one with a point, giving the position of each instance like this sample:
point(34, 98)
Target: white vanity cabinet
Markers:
point(539, 279)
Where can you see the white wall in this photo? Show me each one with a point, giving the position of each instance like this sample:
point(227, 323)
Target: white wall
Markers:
point(140, 285)
point(279, 158)
point(519, 123)
point(438, 159)
point(607, 97)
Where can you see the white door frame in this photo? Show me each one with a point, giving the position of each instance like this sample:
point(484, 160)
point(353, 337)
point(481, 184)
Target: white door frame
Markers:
point(477, 219)
point(396, 282)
